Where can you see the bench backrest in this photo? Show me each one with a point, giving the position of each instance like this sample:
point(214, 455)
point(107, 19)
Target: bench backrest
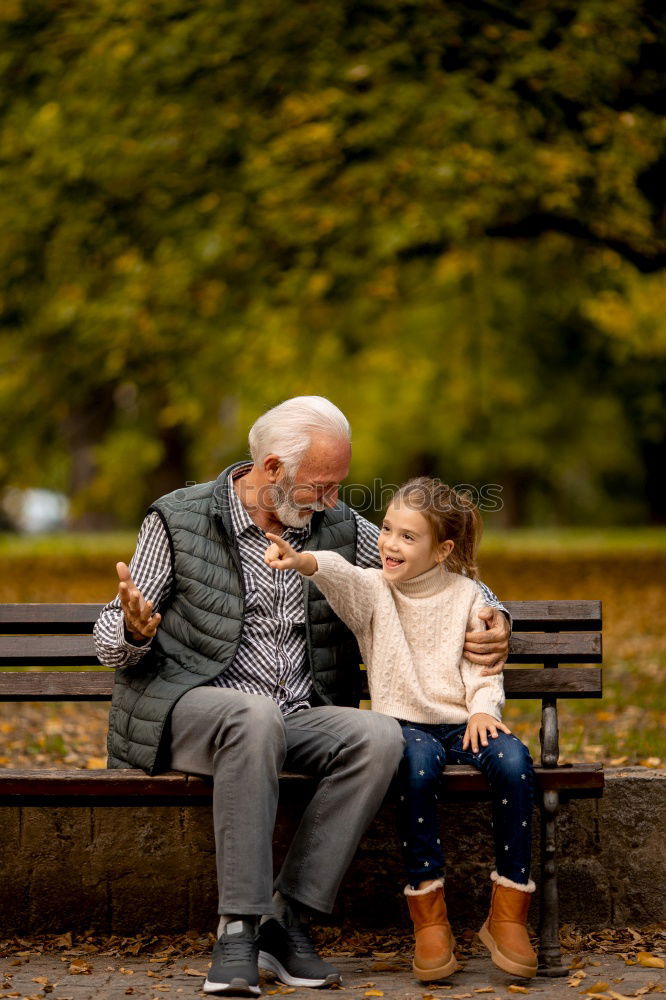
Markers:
point(550, 635)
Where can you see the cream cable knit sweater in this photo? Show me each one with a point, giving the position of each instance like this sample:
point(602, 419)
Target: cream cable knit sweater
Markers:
point(411, 637)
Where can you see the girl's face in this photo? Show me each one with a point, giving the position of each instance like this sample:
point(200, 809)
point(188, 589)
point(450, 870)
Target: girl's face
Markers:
point(406, 546)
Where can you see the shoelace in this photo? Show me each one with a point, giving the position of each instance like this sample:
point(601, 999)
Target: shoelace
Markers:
point(299, 937)
point(237, 948)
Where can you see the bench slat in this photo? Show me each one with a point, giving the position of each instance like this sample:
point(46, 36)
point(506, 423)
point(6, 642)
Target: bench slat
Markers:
point(560, 647)
point(65, 618)
point(47, 650)
point(56, 685)
point(79, 650)
point(567, 616)
point(97, 685)
point(51, 786)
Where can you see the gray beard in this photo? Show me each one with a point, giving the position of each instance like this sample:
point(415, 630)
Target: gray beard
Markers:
point(288, 513)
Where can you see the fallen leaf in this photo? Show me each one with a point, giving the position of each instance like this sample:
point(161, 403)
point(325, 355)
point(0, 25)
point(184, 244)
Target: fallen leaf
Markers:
point(384, 954)
point(649, 961)
point(96, 763)
point(79, 967)
point(63, 940)
point(193, 972)
point(126, 972)
point(41, 979)
point(373, 993)
point(651, 762)
point(517, 989)
point(618, 996)
point(596, 988)
point(576, 980)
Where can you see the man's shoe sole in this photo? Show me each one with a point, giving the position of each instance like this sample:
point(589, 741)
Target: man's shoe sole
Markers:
point(238, 987)
point(271, 964)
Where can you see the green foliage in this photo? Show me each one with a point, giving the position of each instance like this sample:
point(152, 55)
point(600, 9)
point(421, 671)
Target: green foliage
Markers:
point(444, 216)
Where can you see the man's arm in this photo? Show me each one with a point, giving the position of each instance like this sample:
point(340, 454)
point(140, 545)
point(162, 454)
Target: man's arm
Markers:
point(488, 649)
point(150, 574)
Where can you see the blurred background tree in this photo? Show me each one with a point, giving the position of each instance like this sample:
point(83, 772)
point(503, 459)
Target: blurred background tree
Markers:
point(447, 217)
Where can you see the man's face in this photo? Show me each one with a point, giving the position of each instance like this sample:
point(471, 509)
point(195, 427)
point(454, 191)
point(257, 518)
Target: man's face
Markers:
point(316, 483)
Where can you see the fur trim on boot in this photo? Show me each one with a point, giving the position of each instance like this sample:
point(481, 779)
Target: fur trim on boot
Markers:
point(508, 884)
point(433, 956)
point(505, 931)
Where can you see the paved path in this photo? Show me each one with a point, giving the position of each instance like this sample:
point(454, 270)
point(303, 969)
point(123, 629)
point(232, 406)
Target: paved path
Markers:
point(116, 979)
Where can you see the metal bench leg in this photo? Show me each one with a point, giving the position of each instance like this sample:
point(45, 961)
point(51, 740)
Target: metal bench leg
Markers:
point(550, 956)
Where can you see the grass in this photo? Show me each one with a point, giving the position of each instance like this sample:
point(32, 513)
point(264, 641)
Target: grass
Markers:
point(625, 569)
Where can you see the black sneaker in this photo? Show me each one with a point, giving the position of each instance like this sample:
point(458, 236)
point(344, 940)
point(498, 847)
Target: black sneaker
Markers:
point(289, 953)
point(234, 971)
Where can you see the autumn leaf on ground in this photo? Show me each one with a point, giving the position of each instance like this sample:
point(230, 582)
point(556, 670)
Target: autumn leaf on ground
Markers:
point(193, 972)
point(649, 961)
point(595, 988)
point(373, 993)
point(79, 967)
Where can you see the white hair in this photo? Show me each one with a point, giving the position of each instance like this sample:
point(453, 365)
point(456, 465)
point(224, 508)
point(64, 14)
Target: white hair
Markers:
point(287, 429)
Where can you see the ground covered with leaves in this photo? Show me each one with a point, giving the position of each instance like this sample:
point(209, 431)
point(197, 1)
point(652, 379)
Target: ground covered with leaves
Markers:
point(385, 946)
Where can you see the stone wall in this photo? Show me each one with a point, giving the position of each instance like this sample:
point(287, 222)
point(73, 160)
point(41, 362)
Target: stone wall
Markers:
point(127, 870)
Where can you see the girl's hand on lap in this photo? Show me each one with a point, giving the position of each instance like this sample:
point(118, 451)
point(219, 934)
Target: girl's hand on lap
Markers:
point(478, 727)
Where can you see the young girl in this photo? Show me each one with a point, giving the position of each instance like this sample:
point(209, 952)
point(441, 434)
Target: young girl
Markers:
point(410, 619)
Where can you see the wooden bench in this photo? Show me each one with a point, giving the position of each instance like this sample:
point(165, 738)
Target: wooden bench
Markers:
point(549, 634)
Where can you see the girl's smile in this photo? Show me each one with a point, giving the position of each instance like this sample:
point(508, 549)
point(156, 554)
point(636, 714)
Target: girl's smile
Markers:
point(406, 544)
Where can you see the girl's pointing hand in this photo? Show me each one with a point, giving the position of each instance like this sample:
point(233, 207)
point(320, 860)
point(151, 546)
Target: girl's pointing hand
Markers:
point(280, 555)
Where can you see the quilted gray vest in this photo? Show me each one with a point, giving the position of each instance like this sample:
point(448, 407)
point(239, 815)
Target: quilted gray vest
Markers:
point(201, 626)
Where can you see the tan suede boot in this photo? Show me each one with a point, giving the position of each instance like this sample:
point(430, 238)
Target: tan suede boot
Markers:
point(433, 957)
point(505, 933)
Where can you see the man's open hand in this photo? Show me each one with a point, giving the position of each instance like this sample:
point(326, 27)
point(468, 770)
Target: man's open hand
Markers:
point(140, 621)
point(489, 648)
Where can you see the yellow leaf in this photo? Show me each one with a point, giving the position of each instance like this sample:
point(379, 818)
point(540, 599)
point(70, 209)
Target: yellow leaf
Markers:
point(95, 763)
point(649, 961)
point(79, 967)
point(373, 993)
point(193, 972)
point(617, 996)
point(41, 979)
point(596, 988)
point(517, 989)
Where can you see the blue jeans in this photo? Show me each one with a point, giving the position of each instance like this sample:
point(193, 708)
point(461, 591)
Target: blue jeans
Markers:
point(507, 765)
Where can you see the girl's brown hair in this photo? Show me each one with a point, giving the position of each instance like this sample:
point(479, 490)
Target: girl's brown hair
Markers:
point(450, 515)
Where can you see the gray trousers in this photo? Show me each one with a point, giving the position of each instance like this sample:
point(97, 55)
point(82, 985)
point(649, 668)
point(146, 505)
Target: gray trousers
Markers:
point(243, 741)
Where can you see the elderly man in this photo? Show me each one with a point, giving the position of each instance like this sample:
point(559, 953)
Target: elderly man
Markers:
point(230, 669)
